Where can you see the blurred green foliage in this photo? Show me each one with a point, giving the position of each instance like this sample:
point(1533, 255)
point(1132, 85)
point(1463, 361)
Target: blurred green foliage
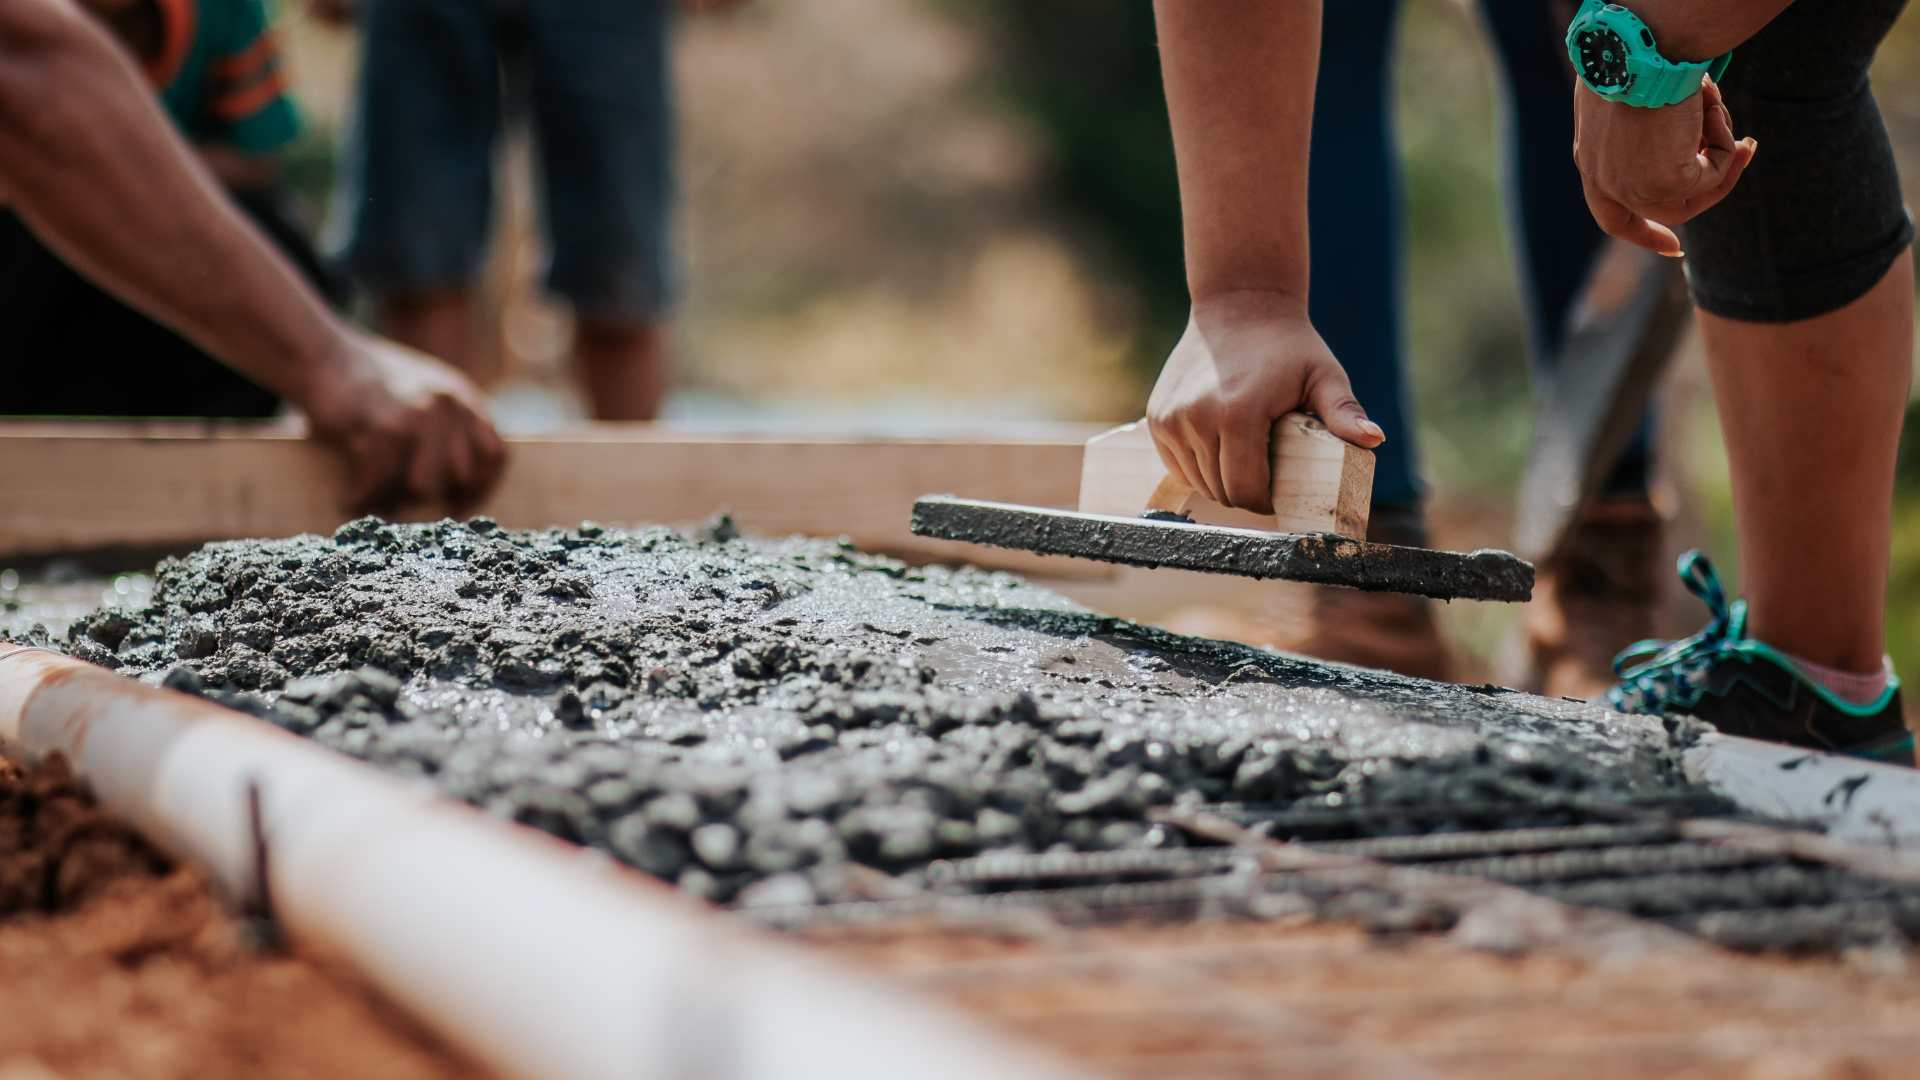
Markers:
point(1086, 75)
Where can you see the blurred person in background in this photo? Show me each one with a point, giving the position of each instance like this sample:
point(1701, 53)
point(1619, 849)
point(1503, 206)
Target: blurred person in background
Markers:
point(1604, 591)
point(216, 67)
point(437, 79)
point(92, 167)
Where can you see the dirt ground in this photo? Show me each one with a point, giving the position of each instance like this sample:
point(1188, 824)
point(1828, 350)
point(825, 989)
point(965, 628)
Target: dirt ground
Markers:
point(1237, 999)
point(116, 963)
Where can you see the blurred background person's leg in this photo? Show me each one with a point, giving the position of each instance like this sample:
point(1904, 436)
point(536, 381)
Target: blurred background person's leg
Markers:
point(417, 194)
point(1358, 296)
point(1357, 218)
point(1602, 593)
point(602, 115)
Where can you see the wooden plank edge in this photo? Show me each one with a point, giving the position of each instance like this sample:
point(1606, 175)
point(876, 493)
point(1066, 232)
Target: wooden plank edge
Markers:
point(87, 486)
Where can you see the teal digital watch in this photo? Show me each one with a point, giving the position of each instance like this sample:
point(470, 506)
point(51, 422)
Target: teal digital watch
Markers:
point(1614, 54)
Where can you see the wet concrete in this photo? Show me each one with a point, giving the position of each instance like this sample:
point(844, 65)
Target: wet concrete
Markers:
point(43, 601)
point(750, 719)
point(1168, 540)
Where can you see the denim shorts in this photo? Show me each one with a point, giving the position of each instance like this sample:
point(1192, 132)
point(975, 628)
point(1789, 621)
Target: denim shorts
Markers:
point(437, 80)
point(1818, 218)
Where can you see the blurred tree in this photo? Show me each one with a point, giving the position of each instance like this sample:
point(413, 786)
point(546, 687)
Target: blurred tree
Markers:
point(1086, 73)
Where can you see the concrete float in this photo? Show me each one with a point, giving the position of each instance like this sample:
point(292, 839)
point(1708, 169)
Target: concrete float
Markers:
point(539, 958)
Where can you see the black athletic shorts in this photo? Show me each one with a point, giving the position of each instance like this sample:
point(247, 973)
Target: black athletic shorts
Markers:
point(1818, 218)
point(71, 349)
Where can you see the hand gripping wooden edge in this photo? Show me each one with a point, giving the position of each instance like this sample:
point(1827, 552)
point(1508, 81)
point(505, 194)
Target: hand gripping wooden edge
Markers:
point(1321, 482)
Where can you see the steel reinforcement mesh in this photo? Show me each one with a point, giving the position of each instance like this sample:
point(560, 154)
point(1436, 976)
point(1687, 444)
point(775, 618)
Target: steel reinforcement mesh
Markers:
point(1645, 861)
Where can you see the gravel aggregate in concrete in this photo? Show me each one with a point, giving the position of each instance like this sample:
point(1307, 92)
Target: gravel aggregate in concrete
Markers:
point(750, 718)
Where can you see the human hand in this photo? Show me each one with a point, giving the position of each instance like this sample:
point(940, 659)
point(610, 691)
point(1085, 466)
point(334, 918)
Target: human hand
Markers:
point(1246, 359)
point(1647, 170)
point(412, 428)
point(703, 7)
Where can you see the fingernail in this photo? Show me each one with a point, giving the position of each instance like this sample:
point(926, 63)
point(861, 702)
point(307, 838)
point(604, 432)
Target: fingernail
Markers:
point(1373, 429)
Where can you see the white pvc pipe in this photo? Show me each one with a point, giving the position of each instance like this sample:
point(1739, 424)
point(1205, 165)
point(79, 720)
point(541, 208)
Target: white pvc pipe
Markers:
point(1861, 802)
point(540, 958)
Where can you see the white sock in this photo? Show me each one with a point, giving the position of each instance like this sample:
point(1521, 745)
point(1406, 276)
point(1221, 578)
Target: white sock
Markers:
point(1857, 688)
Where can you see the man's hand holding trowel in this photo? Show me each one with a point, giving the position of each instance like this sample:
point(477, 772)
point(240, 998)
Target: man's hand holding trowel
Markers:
point(1247, 359)
point(1240, 93)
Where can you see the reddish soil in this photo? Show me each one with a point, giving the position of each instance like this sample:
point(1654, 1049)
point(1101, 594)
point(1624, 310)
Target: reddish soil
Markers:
point(1231, 999)
point(114, 962)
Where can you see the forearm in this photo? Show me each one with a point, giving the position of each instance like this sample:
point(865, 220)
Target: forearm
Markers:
point(1239, 80)
point(93, 167)
point(1703, 29)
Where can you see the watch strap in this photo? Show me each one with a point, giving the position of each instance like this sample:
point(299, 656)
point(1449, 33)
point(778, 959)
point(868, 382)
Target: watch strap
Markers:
point(1672, 83)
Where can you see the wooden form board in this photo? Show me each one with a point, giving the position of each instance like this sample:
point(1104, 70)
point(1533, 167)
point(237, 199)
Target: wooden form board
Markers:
point(1321, 483)
point(69, 485)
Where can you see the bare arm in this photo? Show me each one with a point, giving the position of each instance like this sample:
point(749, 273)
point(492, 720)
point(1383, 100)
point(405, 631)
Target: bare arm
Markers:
point(1240, 76)
point(1239, 82)
point(96, 171)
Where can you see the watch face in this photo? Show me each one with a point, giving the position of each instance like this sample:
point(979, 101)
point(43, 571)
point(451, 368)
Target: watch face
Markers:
point(1603, 57)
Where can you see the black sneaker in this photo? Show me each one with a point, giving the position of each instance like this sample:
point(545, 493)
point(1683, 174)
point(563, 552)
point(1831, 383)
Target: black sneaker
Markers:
point(1746, 687)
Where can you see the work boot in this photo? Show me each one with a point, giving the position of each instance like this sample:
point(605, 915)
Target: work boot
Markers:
point(1391, 631)
point(1743, 686)
point(1599, 595)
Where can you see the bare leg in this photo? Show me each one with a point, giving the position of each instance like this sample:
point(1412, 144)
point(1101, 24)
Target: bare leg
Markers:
point(437, 323)
point(623, 367)
point(1812, 413)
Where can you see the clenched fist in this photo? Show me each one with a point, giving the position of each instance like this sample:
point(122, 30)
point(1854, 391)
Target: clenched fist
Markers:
point(1247, 359)
point(1646, 171)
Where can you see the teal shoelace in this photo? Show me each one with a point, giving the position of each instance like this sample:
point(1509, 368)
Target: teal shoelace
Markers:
point(1665, 676)
point(1656, 675)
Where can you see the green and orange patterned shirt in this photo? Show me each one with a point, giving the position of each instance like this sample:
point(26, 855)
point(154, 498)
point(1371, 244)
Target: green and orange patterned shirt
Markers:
point(220, 76)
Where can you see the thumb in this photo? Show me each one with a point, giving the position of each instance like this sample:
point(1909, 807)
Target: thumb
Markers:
point(1330, 396)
